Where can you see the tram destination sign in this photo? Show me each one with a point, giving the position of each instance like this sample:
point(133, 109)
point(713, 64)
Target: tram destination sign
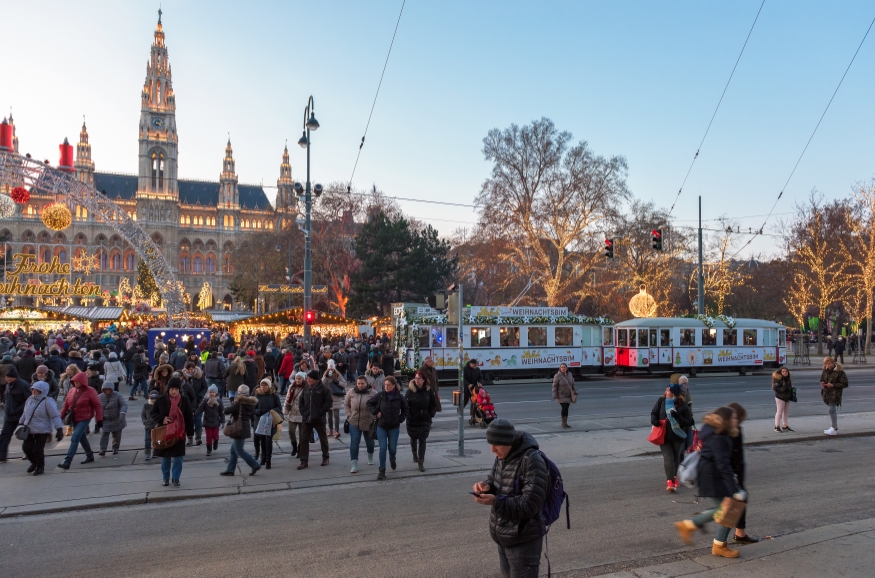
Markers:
point(25, 264)
point(485, 311)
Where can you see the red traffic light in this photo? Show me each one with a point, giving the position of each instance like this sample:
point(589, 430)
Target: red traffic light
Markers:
point(609, 244)
point(310, 316)
point(657, 234)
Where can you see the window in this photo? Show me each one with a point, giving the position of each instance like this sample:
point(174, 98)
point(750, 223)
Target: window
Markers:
point(129, 262)
point(537, 336)
point(564, 336)
point(665, 337)
point(609, 335)
point(116, 262)
point(770, 337)
point(81, 213)
point(47, 256)
point(653, 338)
point(452, 336)
point(423, 333)
point(211, 265)
point(586, 334)
point(183, 265)
point(709, 336)
point(782, 337)
point(437, 337)
point(509, 337)
point(633, 338)
point(730, 337)
point(104, 262)
point(157, 172)
point(481, 337)
point(688, 336)
point(62, 256)
point(226, 263)
point(621, 337)
point(642, 338)
point(750, 336)
point(197, 265)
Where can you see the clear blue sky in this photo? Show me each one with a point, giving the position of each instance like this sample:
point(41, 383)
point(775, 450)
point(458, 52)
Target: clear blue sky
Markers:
point(639, 79)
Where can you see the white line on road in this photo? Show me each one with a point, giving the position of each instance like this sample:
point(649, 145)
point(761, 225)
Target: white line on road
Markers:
point(648, 395)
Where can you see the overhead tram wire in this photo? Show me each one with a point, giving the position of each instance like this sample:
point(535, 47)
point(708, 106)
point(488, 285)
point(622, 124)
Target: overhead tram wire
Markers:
point(385, 64)
point(707, 130)
point(787, 182)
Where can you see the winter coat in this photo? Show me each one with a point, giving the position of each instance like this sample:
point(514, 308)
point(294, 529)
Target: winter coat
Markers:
point(233, 380)
point(95, 383)
point(431, 377)
point(782, 386)
point(16, 396)
point(198, 384)
point(291, 408)
point(314, 402)
point(266, 402)
point(54, 387)
point(376, 380)
point(388, 363)
point(158, 382)
point(251, 376)
point(41, 418)
point(355, 404)
point(839, 347)
point(362, 364)
point(716, 478)
point(516, 518)
point(259, 364)
point(146, 416)
point(115, 372)
point(683, 415)
point(56, 364)
point(839, 380)
point(243, 408)
point(115, 409)
point(214, 415)
point(83, 402)
point(160, 410)
point(472, 377)
point(391, 407)
point(421, 407)
point(141, 366)
point(187, 391)
point(27, 365)
point(563, 385)
point(335, 385)
point(737, 457)
point(213, 369)
point(287, 367)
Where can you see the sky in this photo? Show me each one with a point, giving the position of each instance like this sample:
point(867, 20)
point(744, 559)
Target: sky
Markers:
point(635, 78)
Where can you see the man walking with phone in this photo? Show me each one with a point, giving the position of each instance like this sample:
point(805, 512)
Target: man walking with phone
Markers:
point(515, 489)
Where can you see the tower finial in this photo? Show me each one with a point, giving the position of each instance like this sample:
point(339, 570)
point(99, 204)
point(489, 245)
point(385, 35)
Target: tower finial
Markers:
point(159, 13)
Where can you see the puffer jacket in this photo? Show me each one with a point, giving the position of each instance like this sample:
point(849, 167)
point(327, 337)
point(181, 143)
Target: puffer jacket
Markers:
point(233, 380)
point(160, 377)
point(243, 408)
point(82, 401)
point(782, 386)
point(839, 380)
point(431, 376)
point(563, 385)
point(146, 416)
point(288, 365)
point(391, 407)
point(41, 418)
point(54, 387)
point(356, 407)
point(375, 380)
point(421, 407)
point(715, 477)
point(214, 415)
point(115, 409)
point(114, 371)
point(314, 402)
point(683, 415)
point(516, 518)
point(266, 402)
point(291, 408)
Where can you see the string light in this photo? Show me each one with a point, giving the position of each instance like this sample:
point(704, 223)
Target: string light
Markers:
point(7, 207)
point(642, 305)
point(57, 217)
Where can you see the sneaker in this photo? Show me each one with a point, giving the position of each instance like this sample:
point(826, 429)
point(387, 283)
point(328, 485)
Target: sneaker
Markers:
point(788, 428)
point(778, 430)
point(670, 487)
point(831, 431)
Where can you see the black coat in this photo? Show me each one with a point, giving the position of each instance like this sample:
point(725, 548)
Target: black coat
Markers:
point(716, 478)
point(214, 416)
point(17, 393)
point(472, 377)
point(782, 386)
point(243, 408)
point(160, 410)
point(27, 365)
point(393, 409)
point(314, 402)
point(683, 415)
point(251, 377)
point(516, 518)
point(265, 403)
point(421, 407)
point(56, 365)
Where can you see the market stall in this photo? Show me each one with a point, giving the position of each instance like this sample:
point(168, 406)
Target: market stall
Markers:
point(31, 318)
point(383, 325)
point(292, 321)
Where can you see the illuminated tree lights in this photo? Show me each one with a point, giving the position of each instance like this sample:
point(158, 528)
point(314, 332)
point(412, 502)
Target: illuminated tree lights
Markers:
point(20, 195)
point(642, 305)
point(57, 217)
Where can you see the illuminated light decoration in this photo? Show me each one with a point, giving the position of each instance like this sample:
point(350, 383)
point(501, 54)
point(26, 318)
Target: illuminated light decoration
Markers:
point(57, 217)
point(205, 297)
point(7, 207)
point(20, 195)
point(642, 305)
point(85, 263)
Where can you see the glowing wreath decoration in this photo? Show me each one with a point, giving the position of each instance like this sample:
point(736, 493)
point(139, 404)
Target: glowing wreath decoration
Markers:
point(20, 195)
point(642, 305)
point(7, 207)
point(57, 217)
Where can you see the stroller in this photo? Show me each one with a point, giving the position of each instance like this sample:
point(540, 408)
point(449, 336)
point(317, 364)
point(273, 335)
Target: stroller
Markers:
point(482, 409)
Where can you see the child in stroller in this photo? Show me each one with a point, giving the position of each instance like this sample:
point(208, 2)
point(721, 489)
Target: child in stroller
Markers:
point(483, 411)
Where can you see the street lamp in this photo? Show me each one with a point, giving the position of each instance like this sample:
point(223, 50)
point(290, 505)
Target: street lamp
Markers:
point(310, 124)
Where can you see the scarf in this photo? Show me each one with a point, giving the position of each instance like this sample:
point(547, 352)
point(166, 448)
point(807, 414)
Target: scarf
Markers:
point(212, 401)
point(176, 427)
point(675, 427)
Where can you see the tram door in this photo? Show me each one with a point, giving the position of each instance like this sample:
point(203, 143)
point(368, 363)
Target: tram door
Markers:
point(665, 346)
point(653, 344)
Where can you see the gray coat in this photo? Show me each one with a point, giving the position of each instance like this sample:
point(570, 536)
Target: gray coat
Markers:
point(563, 385)
point(115, 408)
point(44, 419)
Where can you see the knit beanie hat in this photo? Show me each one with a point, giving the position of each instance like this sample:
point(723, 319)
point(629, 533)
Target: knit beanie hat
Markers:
point(301, 374)
point(500, 433)
point(212, 388)
point(243, 390)
point(312, 375)
point(12, 372)
point(676, 389)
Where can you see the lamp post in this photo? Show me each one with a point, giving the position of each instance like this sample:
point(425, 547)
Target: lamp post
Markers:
point(310, 124)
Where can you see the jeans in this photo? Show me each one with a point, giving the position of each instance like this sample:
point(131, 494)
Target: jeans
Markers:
point(198, 425)
point(418, 447)
point(834, 416)
point(77, 438)
point(140, 383)
point(388, 440)
point(116, 440)
point(672, 456)
point(522, 560)
point(708, 515)
point(783, 412)
point(129, 371)
point(355, 440)
point(309, 428)
point(237, 451)
point(148, 440)
point(34, 447)
point(171, 467)
point(6, 435)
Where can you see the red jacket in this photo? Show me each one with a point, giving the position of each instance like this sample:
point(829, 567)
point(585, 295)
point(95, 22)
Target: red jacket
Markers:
point(288, 365)
point(87, 406)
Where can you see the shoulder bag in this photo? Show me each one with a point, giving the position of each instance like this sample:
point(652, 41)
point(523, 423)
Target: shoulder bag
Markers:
point(23, 432)
point(68, 419)
point(793, 394)
point(657, 433)
point(573, 394)
point(234, 429)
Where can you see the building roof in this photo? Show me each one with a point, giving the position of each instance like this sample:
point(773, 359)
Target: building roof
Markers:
point(204, 193)
point(95, 313)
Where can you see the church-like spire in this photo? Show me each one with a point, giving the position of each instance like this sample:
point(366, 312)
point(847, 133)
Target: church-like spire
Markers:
point(84, 165)
point(228, 197)
point(158, 88)
point(285, 192)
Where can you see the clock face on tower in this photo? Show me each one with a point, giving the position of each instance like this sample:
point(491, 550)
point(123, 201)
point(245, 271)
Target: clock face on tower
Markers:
point(158, 122)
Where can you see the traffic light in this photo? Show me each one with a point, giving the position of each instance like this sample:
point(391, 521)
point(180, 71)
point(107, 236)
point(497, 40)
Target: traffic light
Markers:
point(609, 248)
point(656, 239)
point(310, 317)
point(453, 308)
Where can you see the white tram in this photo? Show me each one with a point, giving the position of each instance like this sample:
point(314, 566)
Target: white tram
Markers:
point(507, 342)
point(689, 344)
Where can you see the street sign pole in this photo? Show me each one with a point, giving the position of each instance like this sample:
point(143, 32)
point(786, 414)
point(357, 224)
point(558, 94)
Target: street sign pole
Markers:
point(461, 310)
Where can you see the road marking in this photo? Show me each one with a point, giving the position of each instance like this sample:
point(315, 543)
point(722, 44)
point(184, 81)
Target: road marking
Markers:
point(758, 391)
point(648, 395)
point(533, 401)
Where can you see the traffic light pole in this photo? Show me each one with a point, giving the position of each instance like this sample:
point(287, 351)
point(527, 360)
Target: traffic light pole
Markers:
point(701, 274)
point(461, 310)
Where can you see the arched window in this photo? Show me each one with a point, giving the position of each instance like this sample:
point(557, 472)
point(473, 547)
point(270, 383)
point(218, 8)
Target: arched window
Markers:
point(104, 261)
point(183, 264)
point(129, 262)
point(211, 264)
point(157, 171)
point(198, 265)
point(116, 262)
point(62, 256)
point(226, 263)
point(47, 256)
point(81, 213)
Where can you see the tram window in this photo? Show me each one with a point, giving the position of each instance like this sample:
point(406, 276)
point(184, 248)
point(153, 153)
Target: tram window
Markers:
point(653, 338)
point(665, 337)
point(642, 338)
point(509, 336)
point(750, 336)
point(481, 337)
point(564, 336)
point(452, 336)
point(730, 337)
point(709, 337)
point(688, 336)
point(423, 336)
point(633, 341)
point(538, 336)
point(782, 337)
point(770, 337)
point(609, 335)
point(437, 338)
point(585, 337)
point(621, 337)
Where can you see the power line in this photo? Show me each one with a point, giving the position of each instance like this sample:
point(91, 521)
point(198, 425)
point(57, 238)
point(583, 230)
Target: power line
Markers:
point(775, 204)
point(699, 148)
point(385, 64)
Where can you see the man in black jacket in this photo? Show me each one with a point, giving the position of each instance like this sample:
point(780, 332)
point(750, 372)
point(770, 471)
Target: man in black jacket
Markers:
point(17, 392)
point(315, 401)
point(194, 377)
point(515, 522)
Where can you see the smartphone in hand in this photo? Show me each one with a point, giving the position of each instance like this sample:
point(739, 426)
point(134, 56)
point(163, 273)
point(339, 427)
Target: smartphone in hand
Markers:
point(476, 494)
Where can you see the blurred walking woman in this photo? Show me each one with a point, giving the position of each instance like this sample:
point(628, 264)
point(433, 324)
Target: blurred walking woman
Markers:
point(173, 410)
point(673, 408)
point(783, 388)
point(564, 392)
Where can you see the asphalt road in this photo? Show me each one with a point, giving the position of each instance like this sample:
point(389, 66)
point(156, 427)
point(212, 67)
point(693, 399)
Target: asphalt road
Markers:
point(430, 526)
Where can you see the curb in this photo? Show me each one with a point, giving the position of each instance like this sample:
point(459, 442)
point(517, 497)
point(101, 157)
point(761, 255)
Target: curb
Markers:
point(779, 441)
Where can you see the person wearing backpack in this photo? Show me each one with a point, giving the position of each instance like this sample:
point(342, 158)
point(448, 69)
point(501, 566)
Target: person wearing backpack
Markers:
point(516, 490)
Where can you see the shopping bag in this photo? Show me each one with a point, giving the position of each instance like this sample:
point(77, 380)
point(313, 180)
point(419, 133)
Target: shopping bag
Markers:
point(730, 512)
point(657, 433)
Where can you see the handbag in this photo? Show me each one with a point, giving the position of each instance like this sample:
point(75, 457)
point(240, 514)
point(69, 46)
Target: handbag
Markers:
point(277, 417)
point(23, 432)
point(793, 395)
point(346, 426)
point(573, 395)
point(697, 442)
point(158, 435)
point(234, 428)
point(657, 433)
point(68, 419)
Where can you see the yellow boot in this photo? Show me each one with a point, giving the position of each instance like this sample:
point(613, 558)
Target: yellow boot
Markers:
point(721, 549)
point(685, 530)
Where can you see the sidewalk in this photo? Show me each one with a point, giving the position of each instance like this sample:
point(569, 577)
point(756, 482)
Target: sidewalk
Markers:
point(128, 479)
point(842, 549)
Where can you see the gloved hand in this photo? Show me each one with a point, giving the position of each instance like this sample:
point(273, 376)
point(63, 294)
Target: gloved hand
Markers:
point(672, 410)
point(97, 426)
point(59, 434)
point(740, 495)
